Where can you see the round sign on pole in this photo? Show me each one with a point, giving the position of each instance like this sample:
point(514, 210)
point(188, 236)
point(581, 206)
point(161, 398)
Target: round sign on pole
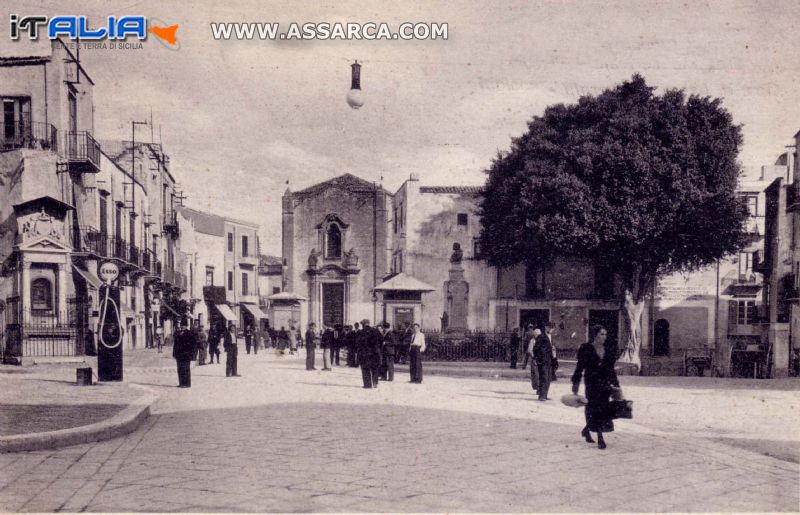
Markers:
point(108, 272)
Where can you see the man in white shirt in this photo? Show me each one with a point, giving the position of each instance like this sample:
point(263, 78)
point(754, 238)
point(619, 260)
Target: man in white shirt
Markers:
point(417, 347)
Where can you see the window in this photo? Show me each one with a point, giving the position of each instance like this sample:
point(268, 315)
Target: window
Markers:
point(244, 284)
point(476, 249)
point(230, 242)
point(462, 219)
point(534, 281)
point(41, 295)
point(230, 281)
point(333, 241)
point(16, 122)
point(745, 264)
point(394, 219)
point(103, 217)
point(209, 276)
point(244, 246)
point(276, 289)
point(402, 215)
point(748, 312)
point(751, 201)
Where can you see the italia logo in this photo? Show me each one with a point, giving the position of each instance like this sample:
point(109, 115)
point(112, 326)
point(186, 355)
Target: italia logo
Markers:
point(79, 28)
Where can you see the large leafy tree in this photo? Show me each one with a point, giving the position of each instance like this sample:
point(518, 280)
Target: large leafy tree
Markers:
point(640, 183)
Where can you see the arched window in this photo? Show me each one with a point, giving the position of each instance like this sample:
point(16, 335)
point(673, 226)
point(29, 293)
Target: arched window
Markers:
point(661, 338)
point(333, 241)
point(41, 295)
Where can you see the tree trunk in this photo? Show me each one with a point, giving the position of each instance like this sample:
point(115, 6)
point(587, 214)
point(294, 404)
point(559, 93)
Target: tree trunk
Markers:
point(631, 337)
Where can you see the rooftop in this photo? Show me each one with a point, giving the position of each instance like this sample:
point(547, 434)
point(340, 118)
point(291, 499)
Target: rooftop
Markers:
point(209, 223)
point(347, 182)
point(463, 190)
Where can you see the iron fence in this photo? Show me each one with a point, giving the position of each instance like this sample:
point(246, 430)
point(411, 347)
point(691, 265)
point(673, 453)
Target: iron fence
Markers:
point(479, 345)
point(27, 134)
point(49, 334)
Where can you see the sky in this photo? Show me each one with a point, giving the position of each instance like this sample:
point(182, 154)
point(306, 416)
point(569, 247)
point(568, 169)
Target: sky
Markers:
point(241, 118)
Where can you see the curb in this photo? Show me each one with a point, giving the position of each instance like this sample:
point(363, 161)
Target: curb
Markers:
point(124, 422)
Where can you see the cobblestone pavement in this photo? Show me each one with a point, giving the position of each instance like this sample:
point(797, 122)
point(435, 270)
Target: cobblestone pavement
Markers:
point(283, 439)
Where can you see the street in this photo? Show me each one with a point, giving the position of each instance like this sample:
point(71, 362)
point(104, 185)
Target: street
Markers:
point(283, 439)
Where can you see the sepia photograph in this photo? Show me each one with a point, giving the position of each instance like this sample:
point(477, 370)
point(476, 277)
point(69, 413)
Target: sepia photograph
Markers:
point(557, 240)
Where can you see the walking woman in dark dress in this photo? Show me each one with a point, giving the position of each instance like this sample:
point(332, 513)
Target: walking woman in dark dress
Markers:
point(596, 363)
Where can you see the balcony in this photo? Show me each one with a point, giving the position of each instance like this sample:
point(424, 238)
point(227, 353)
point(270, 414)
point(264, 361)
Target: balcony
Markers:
point(90, 240)
point(175, 278)
point(171, 224)
point(249, 259)
point(82, 151)
point(30, 135)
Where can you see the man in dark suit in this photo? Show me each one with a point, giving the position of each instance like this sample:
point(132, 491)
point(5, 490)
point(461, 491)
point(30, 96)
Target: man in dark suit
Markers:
point(543, 358)
point(388, 344)
point(311, 346)
point(231, 351)
point(183, 350)
point(349, 343)
point(368, 344)
point(337, 344)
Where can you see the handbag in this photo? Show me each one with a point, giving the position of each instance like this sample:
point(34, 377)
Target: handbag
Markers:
point(621, 409)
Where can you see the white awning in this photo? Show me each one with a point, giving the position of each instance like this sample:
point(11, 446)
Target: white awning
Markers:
point(403, 282)
point(255, 310)
point(91, 279)
point(226, 312)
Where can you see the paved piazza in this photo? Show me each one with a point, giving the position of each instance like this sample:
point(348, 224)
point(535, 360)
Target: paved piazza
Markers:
point(286, 440)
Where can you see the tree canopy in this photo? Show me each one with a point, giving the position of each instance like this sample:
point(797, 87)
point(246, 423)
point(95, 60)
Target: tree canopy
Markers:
point(642, 183)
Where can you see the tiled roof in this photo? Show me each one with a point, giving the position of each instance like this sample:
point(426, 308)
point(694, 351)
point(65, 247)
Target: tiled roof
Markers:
point(348, 182)
point(205, 223)
point(465, 190)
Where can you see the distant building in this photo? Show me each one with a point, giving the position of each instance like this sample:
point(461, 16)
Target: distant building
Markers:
point(222, 256)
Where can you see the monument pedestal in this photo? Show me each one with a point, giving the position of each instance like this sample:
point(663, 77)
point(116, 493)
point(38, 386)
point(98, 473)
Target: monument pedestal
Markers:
point(456, 294)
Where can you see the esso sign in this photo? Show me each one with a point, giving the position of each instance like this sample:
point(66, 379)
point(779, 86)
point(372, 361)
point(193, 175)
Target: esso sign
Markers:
point(108, 272)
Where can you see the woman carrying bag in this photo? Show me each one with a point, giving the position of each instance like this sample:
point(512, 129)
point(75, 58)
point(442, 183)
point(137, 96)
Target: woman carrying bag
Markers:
point(596, 364)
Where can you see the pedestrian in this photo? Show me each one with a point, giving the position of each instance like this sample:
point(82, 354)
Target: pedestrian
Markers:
point(202, 345)
point(292, 339)
point(404, 342)
point(248, 338)
point(348, 340)
point(215, 335)
point(183, 350)
point(417, 347)
point(337, 344)
point(326, 342)
point(389, 343)
point(513, 347)
point(356, 331)
point(311, 346)
point(596, 360)
point(531, 343)
point(529, 330)
point(543, 357)
point(267, 338)
point(232, 351)
point(368, 343)
point(283, 341)
point(160, 338)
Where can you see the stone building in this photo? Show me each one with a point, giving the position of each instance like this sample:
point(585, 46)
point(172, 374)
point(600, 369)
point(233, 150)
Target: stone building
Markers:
point(66, 205)
point(222, 259)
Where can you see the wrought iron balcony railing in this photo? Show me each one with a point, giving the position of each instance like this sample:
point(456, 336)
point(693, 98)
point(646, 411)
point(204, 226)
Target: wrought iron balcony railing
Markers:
point(82, 151)
point(27, 134)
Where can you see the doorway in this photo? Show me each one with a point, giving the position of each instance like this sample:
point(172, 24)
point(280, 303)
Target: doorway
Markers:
point(332, 304)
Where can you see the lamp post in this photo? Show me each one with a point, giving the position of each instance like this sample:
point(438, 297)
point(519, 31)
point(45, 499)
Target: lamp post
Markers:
point(355, 98)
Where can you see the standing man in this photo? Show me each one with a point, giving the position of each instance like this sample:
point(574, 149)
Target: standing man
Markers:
point(202, 345)
point(183, 350)
point(513, 347)
point(415, 349)
point(231, 351)
point(337, 344)
point(529, 344)
point(356, 336)
point(292, 339)
point(327, 343)
point(525, 344)
point(248, 338)
point(348, 341)
point(388, 352)
point(369, 342)
point(311, 346)
point(543, 356)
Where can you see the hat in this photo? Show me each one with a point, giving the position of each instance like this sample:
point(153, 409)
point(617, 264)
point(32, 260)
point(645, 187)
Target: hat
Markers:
point(574, 401)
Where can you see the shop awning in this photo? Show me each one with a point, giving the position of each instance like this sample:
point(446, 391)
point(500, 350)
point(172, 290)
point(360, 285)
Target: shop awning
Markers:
point(226, 312)
point(91, 279)
point(403, 282)
point(286, 296)
point(255, 310)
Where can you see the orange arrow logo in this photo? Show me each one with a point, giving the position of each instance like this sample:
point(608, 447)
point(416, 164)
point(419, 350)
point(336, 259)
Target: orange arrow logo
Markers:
point(165, 33)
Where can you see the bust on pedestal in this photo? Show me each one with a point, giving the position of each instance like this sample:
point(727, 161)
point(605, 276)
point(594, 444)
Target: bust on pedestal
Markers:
point(456, 293)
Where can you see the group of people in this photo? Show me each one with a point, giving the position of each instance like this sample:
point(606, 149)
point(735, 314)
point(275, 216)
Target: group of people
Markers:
point(539, 349)
point(373, 349)
point(195, 344)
